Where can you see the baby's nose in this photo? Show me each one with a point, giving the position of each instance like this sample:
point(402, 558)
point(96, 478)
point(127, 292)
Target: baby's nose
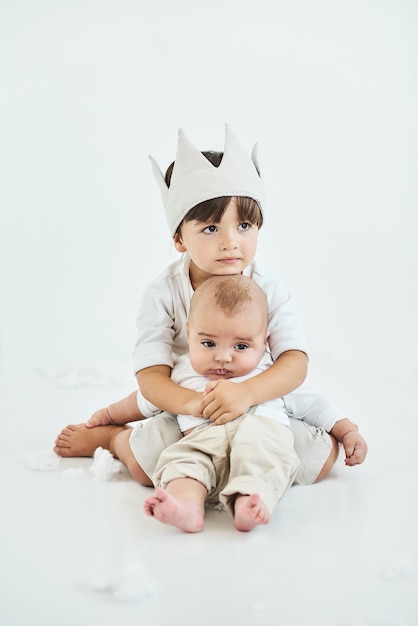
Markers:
point(223, 356)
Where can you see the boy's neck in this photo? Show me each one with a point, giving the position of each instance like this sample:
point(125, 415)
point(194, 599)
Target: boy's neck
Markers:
point(197, 276)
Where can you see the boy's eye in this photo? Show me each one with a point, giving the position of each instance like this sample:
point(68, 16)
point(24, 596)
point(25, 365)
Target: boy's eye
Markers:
point(241, 346)
point(208, 344)
point(244, 226)
point(210, 229)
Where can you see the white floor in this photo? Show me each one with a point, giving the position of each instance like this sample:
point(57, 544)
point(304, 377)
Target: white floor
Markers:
point(79, 550)
point(329, 89)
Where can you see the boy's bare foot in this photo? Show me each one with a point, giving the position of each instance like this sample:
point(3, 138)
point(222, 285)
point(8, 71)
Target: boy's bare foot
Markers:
point(77, 440)
point(185, 515)
point(249, 512)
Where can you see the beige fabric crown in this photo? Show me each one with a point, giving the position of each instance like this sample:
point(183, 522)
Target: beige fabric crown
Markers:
point(195, 179)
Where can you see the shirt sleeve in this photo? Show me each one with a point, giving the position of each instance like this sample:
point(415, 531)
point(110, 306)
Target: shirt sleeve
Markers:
point(313, 407)
point(155, 327)
point(147, 408)
point(285, 332)
point(161, 320)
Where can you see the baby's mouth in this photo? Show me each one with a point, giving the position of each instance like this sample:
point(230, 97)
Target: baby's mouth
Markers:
point(221, 372)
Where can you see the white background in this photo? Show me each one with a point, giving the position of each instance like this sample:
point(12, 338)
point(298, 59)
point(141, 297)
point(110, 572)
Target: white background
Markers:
point(329, 90)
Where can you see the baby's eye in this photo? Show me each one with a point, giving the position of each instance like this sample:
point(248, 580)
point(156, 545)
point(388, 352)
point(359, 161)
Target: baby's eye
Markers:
point(241, 346)
point(208, 344)
point(244, 226)
point(210, 229)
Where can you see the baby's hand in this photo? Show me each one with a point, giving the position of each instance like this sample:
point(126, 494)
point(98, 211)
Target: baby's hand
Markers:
point(99, 418)
point(223, 401)
point(355, 448)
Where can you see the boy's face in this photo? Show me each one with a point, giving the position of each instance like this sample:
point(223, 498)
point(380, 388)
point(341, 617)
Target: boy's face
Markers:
point(222, 347)
point(223, 249)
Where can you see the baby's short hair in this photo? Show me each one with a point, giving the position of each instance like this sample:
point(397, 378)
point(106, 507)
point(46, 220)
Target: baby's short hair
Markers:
point(231, 294)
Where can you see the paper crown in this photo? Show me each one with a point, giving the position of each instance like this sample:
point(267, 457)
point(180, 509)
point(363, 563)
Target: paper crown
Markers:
point(195, 179)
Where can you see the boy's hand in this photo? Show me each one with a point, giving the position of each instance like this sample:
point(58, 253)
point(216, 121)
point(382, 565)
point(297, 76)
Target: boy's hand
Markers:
point(99, 418)
point(194, 407)
point(355, 448)
point(118, 413)
point(223, 401)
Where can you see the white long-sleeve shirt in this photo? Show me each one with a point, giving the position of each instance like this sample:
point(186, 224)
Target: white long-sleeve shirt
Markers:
point(165, 305)
point(162, 336)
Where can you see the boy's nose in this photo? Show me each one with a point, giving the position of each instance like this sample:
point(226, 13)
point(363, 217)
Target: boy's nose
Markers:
point(228, 241)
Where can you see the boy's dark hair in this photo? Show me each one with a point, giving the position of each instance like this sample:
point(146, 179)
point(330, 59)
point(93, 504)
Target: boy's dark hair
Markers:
point(213, 209)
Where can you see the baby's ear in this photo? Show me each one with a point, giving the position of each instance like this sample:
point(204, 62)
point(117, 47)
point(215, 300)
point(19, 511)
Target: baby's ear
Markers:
point(178, 244)
point(186, 325)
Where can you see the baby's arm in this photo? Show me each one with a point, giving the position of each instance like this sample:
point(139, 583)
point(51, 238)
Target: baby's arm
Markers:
point(355, 446)
point(225, 401)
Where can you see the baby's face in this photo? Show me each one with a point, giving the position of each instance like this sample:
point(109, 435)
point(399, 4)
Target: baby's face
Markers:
point(226, 347)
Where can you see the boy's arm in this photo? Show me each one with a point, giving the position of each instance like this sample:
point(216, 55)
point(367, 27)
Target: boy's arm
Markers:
point(118, 413)
point(157, 387)
point(355, 446)
point(224, 401)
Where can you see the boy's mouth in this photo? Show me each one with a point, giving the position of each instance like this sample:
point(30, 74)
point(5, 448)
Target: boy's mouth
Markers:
point(229, 260)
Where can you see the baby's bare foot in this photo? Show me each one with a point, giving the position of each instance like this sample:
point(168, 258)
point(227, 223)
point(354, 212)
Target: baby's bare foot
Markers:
point(181, 514)
point(249, 512)
point(77, 440)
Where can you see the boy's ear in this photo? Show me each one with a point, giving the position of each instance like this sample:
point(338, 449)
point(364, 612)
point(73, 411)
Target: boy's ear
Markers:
point(178, 244)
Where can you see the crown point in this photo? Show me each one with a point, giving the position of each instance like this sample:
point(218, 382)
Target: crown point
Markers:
point(195, 179)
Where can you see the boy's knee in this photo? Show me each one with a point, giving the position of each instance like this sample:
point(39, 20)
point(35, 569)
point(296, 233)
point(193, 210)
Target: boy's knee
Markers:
point(330, 462)
point(138, 473)
point(317, 451)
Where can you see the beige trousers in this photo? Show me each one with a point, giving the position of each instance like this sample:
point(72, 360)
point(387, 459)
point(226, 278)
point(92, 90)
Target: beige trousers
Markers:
point(252, 454)
point(150, 438)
